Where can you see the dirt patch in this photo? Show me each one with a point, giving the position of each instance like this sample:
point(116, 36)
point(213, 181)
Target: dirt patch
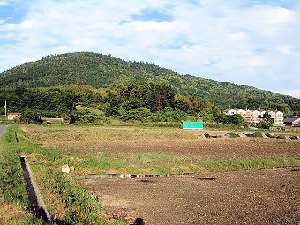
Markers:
point(245, 197)
point(10, 213)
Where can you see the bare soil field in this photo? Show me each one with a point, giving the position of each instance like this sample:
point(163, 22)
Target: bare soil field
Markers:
point(246, 197)
point(98, 140)
point(270, 196)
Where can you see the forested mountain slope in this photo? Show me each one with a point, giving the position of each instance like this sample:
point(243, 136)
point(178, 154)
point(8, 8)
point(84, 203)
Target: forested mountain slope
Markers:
point(102, 71)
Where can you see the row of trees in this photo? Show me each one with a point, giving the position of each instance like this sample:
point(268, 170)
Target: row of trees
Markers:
point(142, 101)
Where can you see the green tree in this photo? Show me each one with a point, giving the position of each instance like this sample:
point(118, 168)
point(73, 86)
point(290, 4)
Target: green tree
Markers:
point(266, 121)
point(134, 114)
point(237, 119)
point(30, 115)
point(168, 114)
point(154, 96)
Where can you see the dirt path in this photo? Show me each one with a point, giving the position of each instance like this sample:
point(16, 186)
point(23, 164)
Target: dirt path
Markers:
point(245, 197)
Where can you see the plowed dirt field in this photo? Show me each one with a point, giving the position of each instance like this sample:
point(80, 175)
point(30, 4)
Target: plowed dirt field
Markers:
point(246, 197)
point(269, 196)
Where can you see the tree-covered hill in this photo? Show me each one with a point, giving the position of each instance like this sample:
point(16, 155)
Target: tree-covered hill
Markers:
point(102, 71)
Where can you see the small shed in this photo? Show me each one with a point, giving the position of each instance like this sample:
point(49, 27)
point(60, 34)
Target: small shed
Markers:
point(192, 125)
point(13, 116)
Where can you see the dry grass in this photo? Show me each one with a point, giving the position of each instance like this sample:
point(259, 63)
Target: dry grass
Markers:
point(12, 214)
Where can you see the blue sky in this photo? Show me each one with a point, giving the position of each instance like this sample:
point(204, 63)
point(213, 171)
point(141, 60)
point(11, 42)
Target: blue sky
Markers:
point(246, 42)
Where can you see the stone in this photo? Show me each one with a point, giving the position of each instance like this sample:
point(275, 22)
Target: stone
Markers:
point(65, 169)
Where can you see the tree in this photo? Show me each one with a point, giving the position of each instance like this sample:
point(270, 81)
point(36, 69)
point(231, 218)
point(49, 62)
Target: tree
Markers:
point(237, 119)
point(266, 121)
point(134, 114)
point(154, 96)
point(168, 114)
point(30, 115)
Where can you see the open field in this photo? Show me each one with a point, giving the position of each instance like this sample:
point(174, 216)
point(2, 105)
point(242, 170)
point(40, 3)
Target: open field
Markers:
point(253, 196)
point(141, 147)
point(244, 197)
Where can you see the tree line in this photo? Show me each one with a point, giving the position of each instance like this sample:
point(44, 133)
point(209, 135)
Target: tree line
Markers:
point(104, 71)
point(139, 101)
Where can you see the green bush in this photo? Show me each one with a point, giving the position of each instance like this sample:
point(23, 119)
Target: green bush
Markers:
point(257, 134)
point(281, 137)
point(233, 135)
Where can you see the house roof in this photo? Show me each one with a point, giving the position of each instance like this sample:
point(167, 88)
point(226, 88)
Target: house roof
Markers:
point(290, 119)
point(16, 114)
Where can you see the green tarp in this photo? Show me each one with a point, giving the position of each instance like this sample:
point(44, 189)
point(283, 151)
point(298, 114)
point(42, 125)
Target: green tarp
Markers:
point(192, 125)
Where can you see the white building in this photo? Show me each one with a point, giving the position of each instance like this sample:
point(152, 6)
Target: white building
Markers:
point(255, 116)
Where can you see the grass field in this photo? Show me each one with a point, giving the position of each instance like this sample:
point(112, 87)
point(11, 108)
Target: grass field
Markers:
point(124, 150)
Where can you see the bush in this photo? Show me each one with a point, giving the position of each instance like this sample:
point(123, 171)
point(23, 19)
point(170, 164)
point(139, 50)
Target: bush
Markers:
point(257, 134)
point(168, 114)
point(29, 116)
point(134, 114)
point(281, 137)
point(233, 135)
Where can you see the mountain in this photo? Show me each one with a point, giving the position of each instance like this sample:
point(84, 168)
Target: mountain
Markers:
point(104, 71)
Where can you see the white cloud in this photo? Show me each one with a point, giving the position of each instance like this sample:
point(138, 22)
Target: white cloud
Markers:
point(279, 15)
point(257, 61)
point(285, 49)
point(24, 60)
point(60, 49)
point(237, 36)
point(222, 40)
point(28, 24)
point(3, 3)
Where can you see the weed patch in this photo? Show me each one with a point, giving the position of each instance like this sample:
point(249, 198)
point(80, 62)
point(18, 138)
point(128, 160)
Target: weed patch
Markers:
point(13, 194)
point(233, 135)
point(67, 202)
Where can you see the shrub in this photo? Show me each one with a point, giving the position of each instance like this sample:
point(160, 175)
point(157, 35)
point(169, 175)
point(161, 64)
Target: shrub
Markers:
point(233, 135)
point(257, 134)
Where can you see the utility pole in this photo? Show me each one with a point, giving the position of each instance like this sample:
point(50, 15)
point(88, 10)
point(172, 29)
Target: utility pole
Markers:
point(5, 107)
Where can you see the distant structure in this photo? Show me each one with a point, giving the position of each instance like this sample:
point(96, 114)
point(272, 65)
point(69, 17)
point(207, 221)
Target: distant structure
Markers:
point(255, 116)
point(291, 121)
point(13, 116)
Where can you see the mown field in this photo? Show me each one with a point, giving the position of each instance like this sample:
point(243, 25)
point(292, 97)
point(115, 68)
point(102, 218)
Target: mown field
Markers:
point(125, 150)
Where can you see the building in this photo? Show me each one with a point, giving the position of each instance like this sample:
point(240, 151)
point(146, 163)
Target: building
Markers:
point(255, 116)
point(230, 112)
point(291, 121)
point(13, 116)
